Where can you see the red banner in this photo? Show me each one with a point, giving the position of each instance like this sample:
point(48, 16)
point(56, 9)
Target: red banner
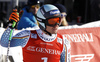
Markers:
point(85, 43)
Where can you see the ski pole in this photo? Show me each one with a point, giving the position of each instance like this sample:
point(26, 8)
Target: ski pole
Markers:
point(13, 25)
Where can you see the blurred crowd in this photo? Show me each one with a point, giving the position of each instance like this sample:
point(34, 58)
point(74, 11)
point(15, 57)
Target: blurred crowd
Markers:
point(78, 12)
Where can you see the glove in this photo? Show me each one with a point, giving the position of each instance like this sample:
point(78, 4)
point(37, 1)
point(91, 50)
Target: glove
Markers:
point(13, 19)
point(14, 16)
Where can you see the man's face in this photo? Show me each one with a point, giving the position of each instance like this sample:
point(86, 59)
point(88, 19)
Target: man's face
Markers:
point(52, 30)
point(53, 25)
point(34, 9)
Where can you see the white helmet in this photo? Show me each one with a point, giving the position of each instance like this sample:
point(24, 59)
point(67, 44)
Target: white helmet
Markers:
point(46, 12)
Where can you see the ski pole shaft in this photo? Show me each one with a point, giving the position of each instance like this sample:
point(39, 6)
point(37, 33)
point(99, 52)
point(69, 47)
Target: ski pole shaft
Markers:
point(14, 23)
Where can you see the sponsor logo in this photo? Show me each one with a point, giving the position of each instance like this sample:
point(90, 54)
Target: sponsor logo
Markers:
point(46, 39)
point(54, 12)
point(39, 19)
point(86, 37)
point(42, 11)
point(44, 50)
point(33, 35)
point(59, 40)
point(83, 57)
point(46, 44)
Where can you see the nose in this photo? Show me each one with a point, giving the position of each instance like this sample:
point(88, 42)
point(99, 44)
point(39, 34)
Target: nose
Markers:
point(57, 25)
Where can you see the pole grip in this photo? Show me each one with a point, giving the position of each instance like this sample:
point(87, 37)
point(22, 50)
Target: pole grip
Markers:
point(13, 25)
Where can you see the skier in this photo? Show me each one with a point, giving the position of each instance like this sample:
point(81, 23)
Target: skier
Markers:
point(41, 45)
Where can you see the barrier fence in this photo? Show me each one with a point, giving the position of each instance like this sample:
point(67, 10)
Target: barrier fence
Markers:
point(85, 43)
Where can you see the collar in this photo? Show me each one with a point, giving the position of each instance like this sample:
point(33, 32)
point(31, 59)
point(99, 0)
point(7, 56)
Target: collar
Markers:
point(46, 37)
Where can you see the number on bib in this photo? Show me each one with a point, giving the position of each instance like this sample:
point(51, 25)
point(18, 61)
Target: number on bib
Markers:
point(45, 59)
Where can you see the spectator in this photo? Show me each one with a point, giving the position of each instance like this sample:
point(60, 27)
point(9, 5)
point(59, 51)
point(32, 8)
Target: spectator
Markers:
point(61, 8)
point(28, 17)
point(41, 45)
point(63, 13)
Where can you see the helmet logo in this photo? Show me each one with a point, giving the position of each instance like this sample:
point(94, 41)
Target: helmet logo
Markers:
point(42, 11)
point(39, 19)
point(54, 12)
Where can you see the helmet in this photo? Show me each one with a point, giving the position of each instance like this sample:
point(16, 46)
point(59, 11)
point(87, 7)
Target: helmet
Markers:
point(33, 2)
point(46, 12)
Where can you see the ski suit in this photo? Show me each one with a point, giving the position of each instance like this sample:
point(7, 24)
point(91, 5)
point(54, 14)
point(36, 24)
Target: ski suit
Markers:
point(38, 46)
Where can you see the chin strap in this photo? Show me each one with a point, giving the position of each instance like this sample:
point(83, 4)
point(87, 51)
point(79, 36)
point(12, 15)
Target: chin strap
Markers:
point(47, 32)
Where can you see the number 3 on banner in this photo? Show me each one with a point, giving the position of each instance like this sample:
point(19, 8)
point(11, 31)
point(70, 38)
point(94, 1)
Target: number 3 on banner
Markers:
point(45, 59)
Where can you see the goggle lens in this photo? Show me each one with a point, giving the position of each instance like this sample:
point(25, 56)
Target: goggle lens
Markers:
point(53, 21)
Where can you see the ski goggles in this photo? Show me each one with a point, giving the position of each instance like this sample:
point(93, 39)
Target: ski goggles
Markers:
point(54, 21)
point(33, 6)
point(63, 15)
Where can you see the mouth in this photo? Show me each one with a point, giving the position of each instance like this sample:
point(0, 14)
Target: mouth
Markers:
point(55, 28)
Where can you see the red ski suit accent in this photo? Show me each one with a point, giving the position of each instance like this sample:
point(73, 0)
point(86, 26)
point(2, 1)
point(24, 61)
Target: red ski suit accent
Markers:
point(37, 50)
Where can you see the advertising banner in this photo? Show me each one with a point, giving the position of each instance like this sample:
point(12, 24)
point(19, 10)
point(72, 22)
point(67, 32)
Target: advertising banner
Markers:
point(85, 43)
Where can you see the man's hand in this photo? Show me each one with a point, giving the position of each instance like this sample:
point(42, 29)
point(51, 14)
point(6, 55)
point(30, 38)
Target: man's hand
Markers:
point(13, 19)
point(14, 16)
